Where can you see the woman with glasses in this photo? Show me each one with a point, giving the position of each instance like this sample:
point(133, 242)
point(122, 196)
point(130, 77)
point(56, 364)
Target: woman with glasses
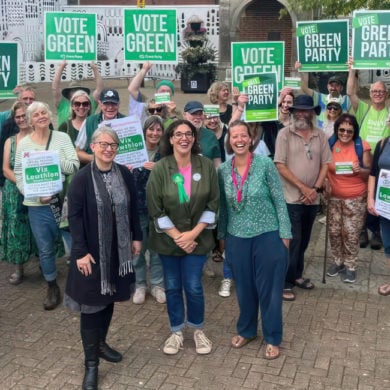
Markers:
point(183, 198)
point(333, 111)
point(16, 239)
point(106, 236)
point(153, 131)
point(80, 109)
point(42, 211)
point(346, 187)
point(214, 123)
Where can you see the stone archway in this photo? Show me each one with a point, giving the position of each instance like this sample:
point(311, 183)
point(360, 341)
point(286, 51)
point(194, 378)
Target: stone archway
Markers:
point(239, 21)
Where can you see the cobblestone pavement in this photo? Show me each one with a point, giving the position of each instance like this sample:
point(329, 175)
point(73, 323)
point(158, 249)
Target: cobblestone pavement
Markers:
point(336, 336)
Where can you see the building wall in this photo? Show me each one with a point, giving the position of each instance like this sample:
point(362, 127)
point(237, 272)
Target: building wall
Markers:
point(148, 2)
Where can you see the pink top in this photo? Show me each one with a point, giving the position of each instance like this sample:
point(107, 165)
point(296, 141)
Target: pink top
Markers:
point(186, 172)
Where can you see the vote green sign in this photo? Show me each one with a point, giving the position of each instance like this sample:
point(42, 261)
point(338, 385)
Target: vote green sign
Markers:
point(70, 36)
point(8, 69)
point(323, 45)
point(150, 35)
point(262, 91)
point(370, 39)
point(253, 58)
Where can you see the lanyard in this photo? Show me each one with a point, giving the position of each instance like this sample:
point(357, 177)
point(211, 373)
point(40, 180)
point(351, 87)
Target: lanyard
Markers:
point(243, 179)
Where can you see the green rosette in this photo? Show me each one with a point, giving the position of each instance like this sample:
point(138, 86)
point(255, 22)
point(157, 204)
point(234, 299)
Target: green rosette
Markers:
point(178, 179)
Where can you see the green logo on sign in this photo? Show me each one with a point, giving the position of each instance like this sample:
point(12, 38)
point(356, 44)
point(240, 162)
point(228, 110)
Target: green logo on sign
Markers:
point(384, 194)
point(365, 20)
point(131, 144)
point(36, 175)
point(307, 29)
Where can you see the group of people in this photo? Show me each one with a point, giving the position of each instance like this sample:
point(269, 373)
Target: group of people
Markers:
point(246, 194)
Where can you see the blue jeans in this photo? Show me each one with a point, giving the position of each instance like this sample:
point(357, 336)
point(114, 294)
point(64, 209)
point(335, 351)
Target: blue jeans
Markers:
point(302, 218)
point(46, 232)
point(227, 272)
point(139, 262)
point(385, 230)
point(184, 272)
point(259, 266)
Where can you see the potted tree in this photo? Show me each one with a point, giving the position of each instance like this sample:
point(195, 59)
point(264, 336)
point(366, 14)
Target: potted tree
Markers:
point(197, 71)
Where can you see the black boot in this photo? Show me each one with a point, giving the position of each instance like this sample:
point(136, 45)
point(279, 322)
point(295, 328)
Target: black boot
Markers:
point(90, 338)
point(105, 351)
point(53, 297)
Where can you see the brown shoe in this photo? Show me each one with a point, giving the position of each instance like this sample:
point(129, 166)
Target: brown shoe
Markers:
point(53, 297)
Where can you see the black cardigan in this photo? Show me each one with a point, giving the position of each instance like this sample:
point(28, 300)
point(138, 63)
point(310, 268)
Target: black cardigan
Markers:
point(83, 223)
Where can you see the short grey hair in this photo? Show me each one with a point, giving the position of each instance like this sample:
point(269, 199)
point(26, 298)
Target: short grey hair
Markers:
point(105, 130)
point(38, 106)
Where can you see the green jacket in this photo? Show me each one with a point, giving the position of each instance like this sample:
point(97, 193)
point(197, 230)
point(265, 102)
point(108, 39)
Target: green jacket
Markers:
point(163, 201)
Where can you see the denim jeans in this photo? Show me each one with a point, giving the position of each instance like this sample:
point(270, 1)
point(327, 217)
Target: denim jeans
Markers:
point(184, 272)
point(46, 232)
point(259, 266)
point(227, 271)
point(302, 218)
point(385, 230)
point(139, 262)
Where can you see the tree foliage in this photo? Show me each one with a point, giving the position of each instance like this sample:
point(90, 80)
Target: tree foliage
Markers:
point(330, 9)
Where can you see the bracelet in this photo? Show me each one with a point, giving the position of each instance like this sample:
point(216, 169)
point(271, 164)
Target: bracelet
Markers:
point(234, 104)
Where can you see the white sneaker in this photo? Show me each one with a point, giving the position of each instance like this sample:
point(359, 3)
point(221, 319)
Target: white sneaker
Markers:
point(139, 295)
point(224, 290)
point(159, 294)
point(202, 343)
point(174, 343)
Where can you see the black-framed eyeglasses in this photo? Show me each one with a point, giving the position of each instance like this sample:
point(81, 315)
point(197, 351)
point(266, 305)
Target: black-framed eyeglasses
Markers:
point(308, 152)
point(81, 104)
point(154, 110)
point(105, 145)
point(348, 131)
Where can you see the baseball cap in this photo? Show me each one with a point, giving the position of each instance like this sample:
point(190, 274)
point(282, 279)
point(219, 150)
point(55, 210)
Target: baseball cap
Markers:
point(109, 96)
point(193, 106)
point(335, 79)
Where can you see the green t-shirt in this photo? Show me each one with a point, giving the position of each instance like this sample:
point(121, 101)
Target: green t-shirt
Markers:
point(372, 123)
point(63, 109)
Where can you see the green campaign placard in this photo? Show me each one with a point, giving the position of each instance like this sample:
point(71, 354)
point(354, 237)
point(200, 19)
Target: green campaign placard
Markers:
point(150, 35)
point(323, 45)
point(8, 69)
point(371, 39)
point(70, 36)
point(255, 58)
point(262, 91)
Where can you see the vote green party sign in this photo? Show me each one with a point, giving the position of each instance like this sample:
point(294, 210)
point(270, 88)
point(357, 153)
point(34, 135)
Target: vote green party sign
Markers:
point(70, 36)
point(371, 39)
point(249, 58)
point(150, 35)
point(8, 69)
point(262, 91)
point(323, 45)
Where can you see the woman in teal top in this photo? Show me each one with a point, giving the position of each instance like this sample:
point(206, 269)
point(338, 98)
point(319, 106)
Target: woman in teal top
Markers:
point(255, 225)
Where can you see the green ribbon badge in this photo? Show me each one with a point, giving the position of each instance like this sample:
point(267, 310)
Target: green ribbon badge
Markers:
point(178, 179)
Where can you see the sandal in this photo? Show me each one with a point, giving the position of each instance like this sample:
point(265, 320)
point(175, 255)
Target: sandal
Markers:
point(384, 289)
point(306, 284)
point(239, 341)
point(217, 256)
point(288, 295)
point(271, 352)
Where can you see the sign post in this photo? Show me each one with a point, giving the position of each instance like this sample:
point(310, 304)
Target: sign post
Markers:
point(323, 45)
point(150, 35)
point(9, 67)
point(70, 36)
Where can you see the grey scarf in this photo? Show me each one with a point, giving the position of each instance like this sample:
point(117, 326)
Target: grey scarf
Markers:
point(112, 202)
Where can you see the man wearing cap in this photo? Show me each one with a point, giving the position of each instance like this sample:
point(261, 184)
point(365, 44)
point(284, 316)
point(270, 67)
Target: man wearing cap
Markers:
point(335, 88)
point(372, 122)
point(194, 113)
point(62, 98)
point(109, 105)
point(137, 107)
point(302, 155)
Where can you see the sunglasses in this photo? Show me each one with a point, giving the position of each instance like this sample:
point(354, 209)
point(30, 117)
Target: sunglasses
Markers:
point(81, 104)
point(153, 110)
point(348, 131)
point(334, 108)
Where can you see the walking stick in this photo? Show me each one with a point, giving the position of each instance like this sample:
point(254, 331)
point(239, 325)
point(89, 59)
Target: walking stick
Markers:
point(326, 242)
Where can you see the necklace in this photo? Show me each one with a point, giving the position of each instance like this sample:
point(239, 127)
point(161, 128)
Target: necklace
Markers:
point(240, 199)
